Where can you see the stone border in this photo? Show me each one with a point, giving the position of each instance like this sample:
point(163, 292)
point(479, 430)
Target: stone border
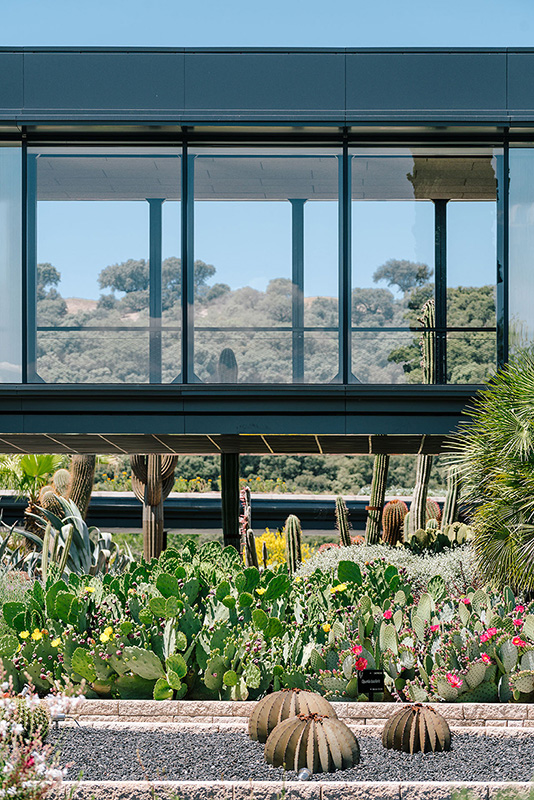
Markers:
point(292, 790)
point(219, 713)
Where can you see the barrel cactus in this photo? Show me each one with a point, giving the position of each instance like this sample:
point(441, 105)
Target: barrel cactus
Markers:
point(322, 744)
point(35, 720)
point(393, 520)
point(276, 707)
point(417, 728)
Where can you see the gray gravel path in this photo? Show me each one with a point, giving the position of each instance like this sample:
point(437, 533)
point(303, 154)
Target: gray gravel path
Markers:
point(112, 754)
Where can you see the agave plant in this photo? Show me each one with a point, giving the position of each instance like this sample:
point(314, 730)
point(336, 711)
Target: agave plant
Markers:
point(72, 545)
point(494, 453)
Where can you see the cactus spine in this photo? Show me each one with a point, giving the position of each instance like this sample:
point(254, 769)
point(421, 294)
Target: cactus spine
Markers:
point(450, 507)
point(393, 517)
point(342, 522)
point(424, 462)
point(376, 500)
point(152, 480)
point(293, 543)
point(230, 499)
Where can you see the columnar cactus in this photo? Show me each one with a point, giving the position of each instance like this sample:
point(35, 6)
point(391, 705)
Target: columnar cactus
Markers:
point(227, 367)
point(75, 485)
point(293, 532)
point(342, 522)
point(450, 507)
point(393, 517)
point(230, 499)
point(418, 509)
point(251, 554)
point(376, 500)
point(152, 480)
point(319, 743)
point(278, 706)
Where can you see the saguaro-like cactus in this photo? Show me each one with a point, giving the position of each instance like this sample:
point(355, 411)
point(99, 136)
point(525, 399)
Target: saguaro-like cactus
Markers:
point(424, 462)
point(81, 486)
point(450, 507)
point(227, 367)
point(376, 500)
point(393, 520)
point(293, 543)
point(342, 522)
point(152, 480)
point(230, 499)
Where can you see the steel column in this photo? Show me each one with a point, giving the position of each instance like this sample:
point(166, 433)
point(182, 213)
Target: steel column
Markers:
point(297, 289)
point(31, 270)
point(440, 272)
point(503, 221)
point(155, 303)
point(345, 276)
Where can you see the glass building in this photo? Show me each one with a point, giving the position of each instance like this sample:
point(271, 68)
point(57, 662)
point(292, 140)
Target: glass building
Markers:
point(262, 243)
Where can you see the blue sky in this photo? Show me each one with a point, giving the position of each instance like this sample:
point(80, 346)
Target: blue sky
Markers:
point(278, 23)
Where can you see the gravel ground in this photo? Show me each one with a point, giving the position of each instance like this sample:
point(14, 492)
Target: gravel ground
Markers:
point(137, 755)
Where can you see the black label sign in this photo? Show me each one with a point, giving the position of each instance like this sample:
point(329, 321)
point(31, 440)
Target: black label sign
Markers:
point(370, 680)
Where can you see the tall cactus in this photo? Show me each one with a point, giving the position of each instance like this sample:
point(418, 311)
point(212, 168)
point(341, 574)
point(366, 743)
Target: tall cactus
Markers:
point(227, 366)
point(376, 500)
point(393, 517)
point(152, 480)
point(450, 507)
point(82, 470)
point(424, 462)
point(342, 522)
point(293, 543)
point(230, 499)
point(251, 554)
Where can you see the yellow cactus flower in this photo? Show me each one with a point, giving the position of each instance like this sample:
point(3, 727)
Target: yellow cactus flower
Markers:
point(261, 590)
point(340, 587)
point(104, 637)
point(89, 589)
point(109, 631)
point(326, 627)
point(24, 634)
point(56, 642)
point(37, 634)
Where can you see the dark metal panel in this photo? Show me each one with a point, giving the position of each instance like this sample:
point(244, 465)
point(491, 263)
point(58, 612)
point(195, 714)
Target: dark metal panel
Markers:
point(11, 81)
point(521, 82)
point(271, 82)
point(119, 81)
point(344, 445)
point(403, 81)
point(293, 444)
point(266, 424)
point(181, 443)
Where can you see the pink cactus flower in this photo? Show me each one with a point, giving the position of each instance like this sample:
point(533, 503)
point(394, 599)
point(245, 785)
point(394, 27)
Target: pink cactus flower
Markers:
point(361, 664)
point(517, 622)
point(491, 632)
point(434, 628)
point(356, 649)
point(518, 642)
point(519, 609)
point(388, 614)
point(485, 658)
point(454, 680)
point(484, 638)
point(466, 601)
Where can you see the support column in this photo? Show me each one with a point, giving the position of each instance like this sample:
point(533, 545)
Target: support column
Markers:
point(440, 262)
point(230, 499)
point(155, 303)
point(30, 333)
point(297, 296)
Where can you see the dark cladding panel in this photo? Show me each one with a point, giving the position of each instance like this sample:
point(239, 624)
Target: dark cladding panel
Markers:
point(426, 81)
point(120, 82)
point(272, 82)
point(11, 82)
point(521, 82)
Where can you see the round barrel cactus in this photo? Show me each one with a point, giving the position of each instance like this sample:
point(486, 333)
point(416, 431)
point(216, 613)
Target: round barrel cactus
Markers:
point(276, 707)
point(417, 728)
point(322, 744)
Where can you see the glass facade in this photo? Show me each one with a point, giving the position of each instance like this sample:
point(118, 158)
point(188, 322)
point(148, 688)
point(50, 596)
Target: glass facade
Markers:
point(11, 324)
point(324, 264)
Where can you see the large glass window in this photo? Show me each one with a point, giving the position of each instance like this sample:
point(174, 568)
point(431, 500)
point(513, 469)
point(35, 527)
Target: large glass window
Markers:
point(104, 278)
point(10, 264)
point(423, 265)
point(266, 248)
point(521, 286)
